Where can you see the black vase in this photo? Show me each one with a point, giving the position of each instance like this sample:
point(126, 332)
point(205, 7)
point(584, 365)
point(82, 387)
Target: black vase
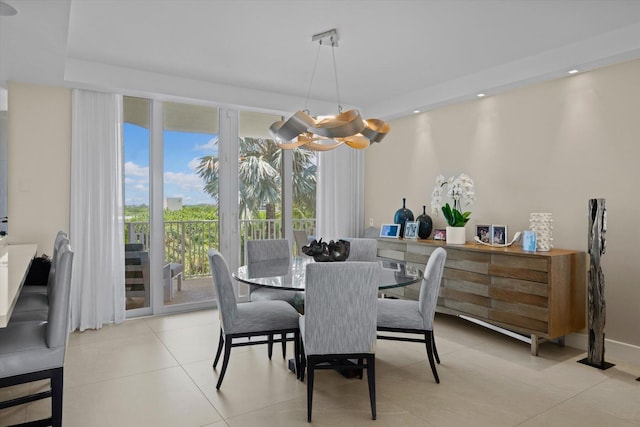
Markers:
point(425, 224)
point(402, 215)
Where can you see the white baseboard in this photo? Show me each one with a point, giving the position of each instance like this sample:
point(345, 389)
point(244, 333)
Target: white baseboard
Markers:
point(615, 351)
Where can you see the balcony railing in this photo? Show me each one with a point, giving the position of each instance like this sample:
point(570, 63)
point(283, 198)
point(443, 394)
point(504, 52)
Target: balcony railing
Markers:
point(187, 242)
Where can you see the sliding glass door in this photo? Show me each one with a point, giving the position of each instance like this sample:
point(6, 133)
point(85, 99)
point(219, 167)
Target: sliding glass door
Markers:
point(199, 177)
point(137, 200)
point(190, 202)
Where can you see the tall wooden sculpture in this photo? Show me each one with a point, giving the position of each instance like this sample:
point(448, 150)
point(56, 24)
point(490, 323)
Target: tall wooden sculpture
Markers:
point(596, 306)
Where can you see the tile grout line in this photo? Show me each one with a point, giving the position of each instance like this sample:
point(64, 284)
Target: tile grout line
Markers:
point(189, 376)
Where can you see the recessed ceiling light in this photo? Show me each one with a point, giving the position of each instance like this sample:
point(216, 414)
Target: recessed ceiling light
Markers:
point(481, 95)
point(416, 111)
point(7, 10)
point(574, 71)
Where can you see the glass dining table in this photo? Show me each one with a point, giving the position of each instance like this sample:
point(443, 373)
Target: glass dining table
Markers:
point(290, 274)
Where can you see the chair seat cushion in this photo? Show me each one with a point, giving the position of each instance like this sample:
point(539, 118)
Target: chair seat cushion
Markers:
point(258, 316)
point(396, 313)
point(266, 294)
point(23, 349)
point(31, 302)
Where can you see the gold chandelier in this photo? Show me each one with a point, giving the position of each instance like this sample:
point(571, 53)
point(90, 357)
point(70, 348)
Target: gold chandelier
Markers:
point(329, 132)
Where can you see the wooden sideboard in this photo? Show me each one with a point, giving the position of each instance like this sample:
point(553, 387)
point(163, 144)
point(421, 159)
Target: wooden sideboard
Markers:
point(541, 295)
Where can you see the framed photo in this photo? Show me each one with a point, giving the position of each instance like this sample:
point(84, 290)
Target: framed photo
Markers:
point(529, 241)
point(411, 229)
point(483, 232)
point(440, 234)
point(498, 234)
point(412, 269)
point(390, 230)
point(390, 265)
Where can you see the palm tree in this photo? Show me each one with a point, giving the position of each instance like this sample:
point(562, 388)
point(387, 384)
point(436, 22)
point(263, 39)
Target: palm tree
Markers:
point(260, 181)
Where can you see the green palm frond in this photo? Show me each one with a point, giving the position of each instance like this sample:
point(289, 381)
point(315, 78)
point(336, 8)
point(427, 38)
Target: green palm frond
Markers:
point(259, 177)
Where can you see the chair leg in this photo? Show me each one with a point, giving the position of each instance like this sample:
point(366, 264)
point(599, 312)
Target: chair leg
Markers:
point(310, 369)
point(303, 360)
point(296, 351)
point(220, 345)
point(284, 346)
point(435, 350)
point(225, 361)
point(56, 397)
point(270, 346)
point(360, 359)
point(428, 338)
point(371, 378)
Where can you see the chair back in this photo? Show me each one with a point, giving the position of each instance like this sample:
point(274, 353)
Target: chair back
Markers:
point(58, 316)
point(61, 238)
point(267, 249)
point(300, 236)
point(341, 307)
point(430, 287)
point(261, 257)
point(227, 304)
point(362, 249)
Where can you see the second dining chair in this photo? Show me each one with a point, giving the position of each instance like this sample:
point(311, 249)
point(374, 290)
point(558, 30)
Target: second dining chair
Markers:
point(416, 317)
point(339, 321)
point(362, 249)
point(245, 320)
point(270, 254)
point(264, 251)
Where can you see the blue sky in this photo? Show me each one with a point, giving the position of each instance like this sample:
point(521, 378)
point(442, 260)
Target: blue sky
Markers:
point(181, 153)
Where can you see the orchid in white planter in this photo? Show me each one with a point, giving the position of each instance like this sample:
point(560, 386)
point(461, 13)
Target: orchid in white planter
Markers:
point(460, 192)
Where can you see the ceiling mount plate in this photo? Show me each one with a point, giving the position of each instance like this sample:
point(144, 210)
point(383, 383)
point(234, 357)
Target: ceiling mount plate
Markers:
point(329, 38)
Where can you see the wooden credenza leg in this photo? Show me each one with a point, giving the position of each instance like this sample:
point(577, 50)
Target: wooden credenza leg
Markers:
point(534, 345)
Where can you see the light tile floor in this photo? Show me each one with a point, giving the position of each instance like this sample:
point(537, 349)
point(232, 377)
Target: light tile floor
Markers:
point(157, 372)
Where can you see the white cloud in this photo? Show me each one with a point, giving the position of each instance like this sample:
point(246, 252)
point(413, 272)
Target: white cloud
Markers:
point(185, 181)
point(194, 163)
point(212, 144)
point(133, 169)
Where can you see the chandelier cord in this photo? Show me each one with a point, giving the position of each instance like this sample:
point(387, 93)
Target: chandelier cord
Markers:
point(313, 73)
point(335, 73)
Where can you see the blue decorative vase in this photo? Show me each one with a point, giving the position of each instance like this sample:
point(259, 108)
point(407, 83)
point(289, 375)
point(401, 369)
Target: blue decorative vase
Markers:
point(425, 224)
point(402, 215)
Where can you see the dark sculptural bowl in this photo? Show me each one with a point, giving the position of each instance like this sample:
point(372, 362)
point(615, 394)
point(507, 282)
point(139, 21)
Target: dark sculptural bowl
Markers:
point(327, 252)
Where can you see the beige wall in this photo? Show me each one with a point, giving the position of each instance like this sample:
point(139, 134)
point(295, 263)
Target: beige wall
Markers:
point(545, 148)
point(548, 147)
point(39, 155)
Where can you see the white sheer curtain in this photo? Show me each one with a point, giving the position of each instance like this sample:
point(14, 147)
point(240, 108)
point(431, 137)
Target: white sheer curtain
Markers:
point(96, 223)
point(340, 193)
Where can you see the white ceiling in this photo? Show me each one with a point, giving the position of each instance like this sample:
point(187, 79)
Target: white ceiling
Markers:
point(394, 56)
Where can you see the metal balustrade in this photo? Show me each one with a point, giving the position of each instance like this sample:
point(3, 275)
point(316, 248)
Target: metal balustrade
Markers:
point(187, 242)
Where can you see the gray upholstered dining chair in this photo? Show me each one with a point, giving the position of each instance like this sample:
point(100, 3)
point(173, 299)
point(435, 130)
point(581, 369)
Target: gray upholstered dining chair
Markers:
point(263, 253)
point(34, 350)
point(41, 288)
point(339, 321)
point(33, 302)
point(251, 319)
point(301, 239)
point(416, 317)
point(361, 249)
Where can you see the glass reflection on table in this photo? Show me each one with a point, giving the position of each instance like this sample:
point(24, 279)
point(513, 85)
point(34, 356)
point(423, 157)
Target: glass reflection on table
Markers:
point(290, 273)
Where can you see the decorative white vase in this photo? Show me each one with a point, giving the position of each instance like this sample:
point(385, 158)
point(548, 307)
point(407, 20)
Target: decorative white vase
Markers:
point(542, 224)
point(456, 236)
